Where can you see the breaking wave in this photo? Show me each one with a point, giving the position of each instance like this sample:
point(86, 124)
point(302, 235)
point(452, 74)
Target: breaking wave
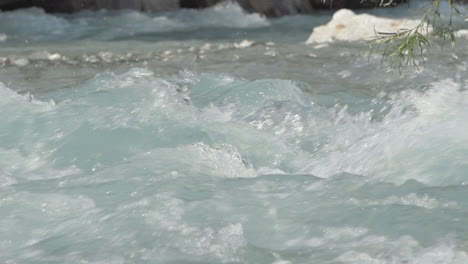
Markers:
point(35, 25)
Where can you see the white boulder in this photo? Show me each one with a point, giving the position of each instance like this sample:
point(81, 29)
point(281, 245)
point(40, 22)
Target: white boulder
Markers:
point(347, 26)
point(462, 33)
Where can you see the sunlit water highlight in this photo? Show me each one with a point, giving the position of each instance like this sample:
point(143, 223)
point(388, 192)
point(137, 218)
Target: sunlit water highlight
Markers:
point(175, 141)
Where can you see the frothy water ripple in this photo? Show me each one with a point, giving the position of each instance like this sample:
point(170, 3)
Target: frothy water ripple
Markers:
point(228, 152)
point(154, 166)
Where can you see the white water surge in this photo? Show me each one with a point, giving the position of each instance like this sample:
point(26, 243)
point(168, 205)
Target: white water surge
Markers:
point(186, 144)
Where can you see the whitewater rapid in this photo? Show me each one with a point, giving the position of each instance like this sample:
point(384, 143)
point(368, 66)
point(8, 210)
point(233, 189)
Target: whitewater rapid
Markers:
point(216, 136)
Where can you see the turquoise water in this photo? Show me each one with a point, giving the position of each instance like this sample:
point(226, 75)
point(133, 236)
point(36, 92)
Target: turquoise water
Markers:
point(165, 138)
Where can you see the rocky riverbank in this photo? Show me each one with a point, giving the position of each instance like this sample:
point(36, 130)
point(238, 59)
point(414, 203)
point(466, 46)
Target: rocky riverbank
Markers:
point(349, 26)
point(271, 8)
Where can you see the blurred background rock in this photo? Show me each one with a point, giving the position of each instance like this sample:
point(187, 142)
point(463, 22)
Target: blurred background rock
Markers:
point(270, 8)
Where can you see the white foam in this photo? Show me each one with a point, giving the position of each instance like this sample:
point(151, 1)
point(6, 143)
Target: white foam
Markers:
point(219, 160)
point(165, 213)
point(35, 25)
point(443, 253)
point(412, 199)
point(416, 124)
point(3, 37)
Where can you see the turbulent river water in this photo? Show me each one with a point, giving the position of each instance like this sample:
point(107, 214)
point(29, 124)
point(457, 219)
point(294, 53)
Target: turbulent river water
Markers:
point(128, 137)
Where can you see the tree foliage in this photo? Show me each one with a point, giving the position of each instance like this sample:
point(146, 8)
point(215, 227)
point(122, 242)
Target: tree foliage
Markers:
point(407, 46)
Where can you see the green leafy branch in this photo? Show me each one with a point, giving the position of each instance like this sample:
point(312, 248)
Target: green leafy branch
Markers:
point(405, 47)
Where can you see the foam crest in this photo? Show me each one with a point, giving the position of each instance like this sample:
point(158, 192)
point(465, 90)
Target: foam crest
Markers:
point(9, 97)
point(417, 124)
point(217, 161)
point(297, 133)
point(35, 25)
point(444, 253)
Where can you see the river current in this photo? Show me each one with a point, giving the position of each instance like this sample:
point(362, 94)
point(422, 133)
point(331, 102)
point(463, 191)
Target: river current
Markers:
point(215, 136)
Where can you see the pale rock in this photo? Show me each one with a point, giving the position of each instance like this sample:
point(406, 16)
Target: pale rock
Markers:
point(270, 53)
point(243, 44)
point(3, 37)
point(54, 56)
point(347, 26)
point(462, 33)
point(20, 62)
point(167, 52)
point(39, 55)
point(206, 46)
point(106, 56)
point(44, 55)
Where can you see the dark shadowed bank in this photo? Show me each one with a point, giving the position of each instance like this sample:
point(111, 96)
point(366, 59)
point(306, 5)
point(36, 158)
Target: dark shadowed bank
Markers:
point(271, 8)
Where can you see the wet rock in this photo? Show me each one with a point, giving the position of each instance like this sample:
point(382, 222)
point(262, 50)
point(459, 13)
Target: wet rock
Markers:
point(275, 8)
point(270, 8)
point(198, 3)
point(347, 26)
point(243, 44)
point(354, 4)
